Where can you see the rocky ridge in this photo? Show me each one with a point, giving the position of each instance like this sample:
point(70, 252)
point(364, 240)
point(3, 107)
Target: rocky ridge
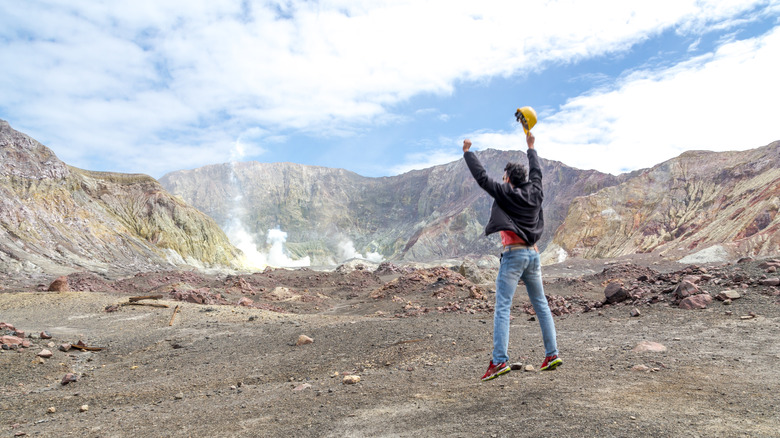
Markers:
point(723, 203)
point(56, 219)
point(432, 214)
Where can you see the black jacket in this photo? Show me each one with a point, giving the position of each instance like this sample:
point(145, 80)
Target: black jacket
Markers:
point(517, 209)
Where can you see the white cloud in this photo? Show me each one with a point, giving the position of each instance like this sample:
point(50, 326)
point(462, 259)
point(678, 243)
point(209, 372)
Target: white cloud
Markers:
point(720, 101)
point(181, 81)
point(424, 160)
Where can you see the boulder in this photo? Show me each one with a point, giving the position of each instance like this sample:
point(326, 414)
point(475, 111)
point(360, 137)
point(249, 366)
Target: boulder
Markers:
point(245, 302)
point(614, 293)
point(728, 295)
point(59, 285)
point(685, 289)
point(700, 301)
point(11, 340)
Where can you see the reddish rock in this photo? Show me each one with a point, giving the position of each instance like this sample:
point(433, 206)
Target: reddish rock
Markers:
point(635, 312)
point(69, 378)
point(45, 335)
point(685, 289)
point(700, 301)
point(775, 281)
point(45, 354)
point(728, 295)
point(59, 285)
point(614, 293)
point(20, 334)
point(5, 325)
point(11, 340)
point(245, 302)
point(65, 347)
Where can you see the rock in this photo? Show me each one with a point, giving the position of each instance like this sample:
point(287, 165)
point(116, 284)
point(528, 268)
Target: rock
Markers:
point(649, 347)
point(59, 285)
point(473, 273)
point(700, 301)
point(614, 293)
point(65, 347)
point(45, 354)
point(685, 289)
point(516, 366)
point(529, 368)
point(20, 334)
point(178, 396)
point(245, 302)
point(45, 335)
point(51, 410)
point(303, 340)
point(304, 386)
point(69, 378)
point(635, 312)
point(5, 325)
point(11, 340)
point(642, 368)
point(774, 281)
point(728, 295)
point(350, 380)
point(83, 408)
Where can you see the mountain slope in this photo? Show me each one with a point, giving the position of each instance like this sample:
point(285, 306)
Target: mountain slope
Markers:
point(435, 213)
point(55, 218)
point(726, 201)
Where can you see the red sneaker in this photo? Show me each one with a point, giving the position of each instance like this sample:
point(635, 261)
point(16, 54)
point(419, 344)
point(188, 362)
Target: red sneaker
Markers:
point(551, 362)
point(494, 370)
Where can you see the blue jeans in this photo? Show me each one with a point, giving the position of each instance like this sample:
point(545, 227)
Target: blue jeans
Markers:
point(515, 265)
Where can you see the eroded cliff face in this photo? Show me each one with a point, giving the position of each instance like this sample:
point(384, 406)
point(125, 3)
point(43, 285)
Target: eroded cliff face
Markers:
point(429, 214)
point(690, 203)
point(56, 219)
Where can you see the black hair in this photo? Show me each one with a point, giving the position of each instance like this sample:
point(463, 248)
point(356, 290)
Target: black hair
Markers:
point(516, 173)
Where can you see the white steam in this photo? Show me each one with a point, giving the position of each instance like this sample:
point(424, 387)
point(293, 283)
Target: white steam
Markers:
point(346, 251)
point(277, 255)
point(274, 254)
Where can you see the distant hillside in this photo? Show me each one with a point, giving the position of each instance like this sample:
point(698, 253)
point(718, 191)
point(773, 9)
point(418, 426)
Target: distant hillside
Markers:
point(725, 203)
point(57, 219)
point(429, 214)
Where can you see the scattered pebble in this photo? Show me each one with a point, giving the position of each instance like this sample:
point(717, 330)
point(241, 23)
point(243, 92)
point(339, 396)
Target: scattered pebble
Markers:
point(648, 346)
point(303, 340)
point(84, 408)
point(350, 380)
point(69, 378)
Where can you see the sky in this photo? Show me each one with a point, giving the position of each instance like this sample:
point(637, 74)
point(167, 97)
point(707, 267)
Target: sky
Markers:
point(384, 87)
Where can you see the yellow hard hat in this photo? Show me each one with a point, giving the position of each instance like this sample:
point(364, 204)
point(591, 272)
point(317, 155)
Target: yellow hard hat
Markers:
point(528, 115)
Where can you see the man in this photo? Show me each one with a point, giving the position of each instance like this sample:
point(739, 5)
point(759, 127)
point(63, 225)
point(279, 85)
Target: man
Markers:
point(517, 215)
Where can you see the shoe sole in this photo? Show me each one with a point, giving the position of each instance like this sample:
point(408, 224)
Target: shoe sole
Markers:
point(499, 373)
point(553, 365)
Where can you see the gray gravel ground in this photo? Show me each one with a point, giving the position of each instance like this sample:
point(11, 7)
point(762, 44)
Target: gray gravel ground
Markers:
point(223, 371)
